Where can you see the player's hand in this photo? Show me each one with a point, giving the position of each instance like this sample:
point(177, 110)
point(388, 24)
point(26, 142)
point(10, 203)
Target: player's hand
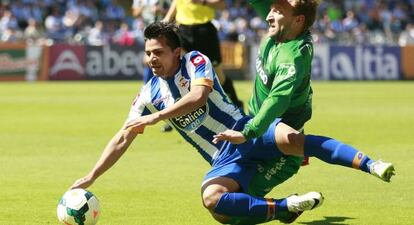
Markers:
point(235, 137)
point(140, 123)
point(83, 182)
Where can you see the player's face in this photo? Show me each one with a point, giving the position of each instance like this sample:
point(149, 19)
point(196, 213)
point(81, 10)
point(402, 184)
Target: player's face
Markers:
point(281, 19)
point(162, 60)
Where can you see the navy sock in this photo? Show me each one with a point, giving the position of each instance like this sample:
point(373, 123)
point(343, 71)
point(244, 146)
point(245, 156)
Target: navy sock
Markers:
point(244, 205)
point(335, 152)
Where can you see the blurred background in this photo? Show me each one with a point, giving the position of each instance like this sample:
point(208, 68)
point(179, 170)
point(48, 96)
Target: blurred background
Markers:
point(53, 131)
point(102, 40)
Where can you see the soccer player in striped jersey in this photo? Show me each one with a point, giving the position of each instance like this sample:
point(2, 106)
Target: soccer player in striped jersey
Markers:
point(186, 92)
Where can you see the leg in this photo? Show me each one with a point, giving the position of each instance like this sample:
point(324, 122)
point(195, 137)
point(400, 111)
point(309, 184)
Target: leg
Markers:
point(225, 188)
point(212, 192)
point(288, 140)
point(292, 142)
point(228, 206)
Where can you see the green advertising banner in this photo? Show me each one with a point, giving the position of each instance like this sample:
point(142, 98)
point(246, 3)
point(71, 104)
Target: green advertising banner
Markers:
point(13, 62)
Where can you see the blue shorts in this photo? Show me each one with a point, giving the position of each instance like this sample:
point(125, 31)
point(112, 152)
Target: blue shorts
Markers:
point(239, 162)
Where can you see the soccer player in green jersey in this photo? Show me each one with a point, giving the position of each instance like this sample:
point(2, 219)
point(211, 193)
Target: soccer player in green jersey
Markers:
point(283, 91)
point(282, 84)
point(283, 68)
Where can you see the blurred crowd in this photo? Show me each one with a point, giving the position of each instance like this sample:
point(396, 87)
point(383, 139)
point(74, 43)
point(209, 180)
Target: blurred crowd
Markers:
point(99, 22)
point(349, 22)
point(345, 22)
point(94, 22)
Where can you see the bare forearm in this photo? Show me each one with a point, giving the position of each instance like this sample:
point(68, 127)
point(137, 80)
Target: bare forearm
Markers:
point(112, 152)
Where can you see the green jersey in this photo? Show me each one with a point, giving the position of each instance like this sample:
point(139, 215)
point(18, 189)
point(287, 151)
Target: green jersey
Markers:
point(282, 85)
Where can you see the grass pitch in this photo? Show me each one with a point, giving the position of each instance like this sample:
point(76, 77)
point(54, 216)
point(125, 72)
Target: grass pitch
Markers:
point(53, 133)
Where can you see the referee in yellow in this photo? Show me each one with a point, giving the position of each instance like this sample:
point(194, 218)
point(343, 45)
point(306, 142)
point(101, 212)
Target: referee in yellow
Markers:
point(198, 33)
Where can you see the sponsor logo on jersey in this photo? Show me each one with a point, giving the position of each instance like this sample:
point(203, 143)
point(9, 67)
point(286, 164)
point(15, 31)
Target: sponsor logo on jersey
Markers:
point(197, 60)
point(269, 172)
point(260, 71)
point(192, 120)
point(285, 71)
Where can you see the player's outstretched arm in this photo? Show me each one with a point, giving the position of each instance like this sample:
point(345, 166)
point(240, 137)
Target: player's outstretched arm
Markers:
point(112, 152)
point(196, 98)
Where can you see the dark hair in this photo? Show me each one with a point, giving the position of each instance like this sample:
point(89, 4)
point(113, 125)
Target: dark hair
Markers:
point(308, 9)
point(162, 29)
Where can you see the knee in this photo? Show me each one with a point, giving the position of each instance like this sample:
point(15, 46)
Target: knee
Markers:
point(211, 196)
point(212, 192)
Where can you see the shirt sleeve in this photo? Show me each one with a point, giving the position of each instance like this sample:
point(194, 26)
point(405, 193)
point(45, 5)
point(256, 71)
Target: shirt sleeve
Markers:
point(199, 69)
point(277, 102)
point(138, 107)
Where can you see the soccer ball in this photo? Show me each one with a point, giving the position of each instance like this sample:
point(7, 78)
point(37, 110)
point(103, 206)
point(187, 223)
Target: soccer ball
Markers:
point(78, 207)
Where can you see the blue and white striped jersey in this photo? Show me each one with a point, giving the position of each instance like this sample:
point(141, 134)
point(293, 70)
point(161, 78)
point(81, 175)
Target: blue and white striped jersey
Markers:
point(199, 126)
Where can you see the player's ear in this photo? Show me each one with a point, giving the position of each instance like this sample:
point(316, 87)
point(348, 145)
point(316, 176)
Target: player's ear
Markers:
point(300, 19)
point(177, 52)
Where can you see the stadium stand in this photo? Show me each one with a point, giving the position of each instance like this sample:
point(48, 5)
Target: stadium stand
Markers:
point(356, 40)
point(349, 22)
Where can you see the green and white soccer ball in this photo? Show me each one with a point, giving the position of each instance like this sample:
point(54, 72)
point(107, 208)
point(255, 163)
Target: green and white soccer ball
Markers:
point(78, 207)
